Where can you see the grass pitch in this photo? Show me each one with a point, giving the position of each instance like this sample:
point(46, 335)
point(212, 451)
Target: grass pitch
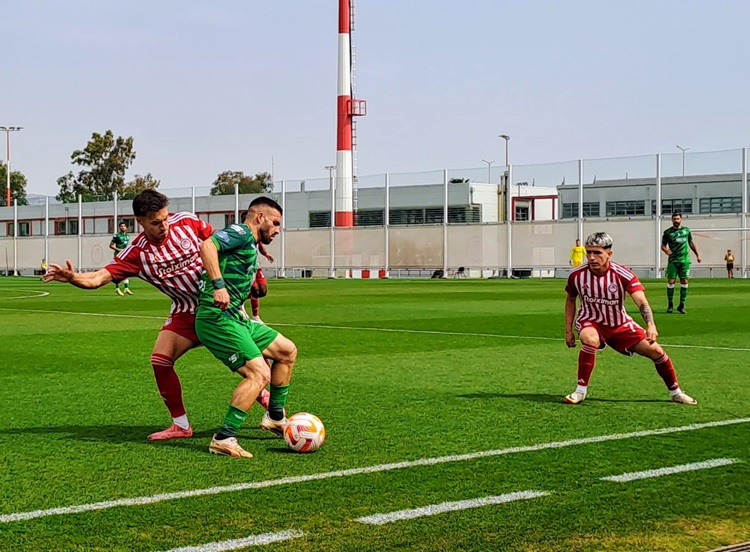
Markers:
point(399, 371)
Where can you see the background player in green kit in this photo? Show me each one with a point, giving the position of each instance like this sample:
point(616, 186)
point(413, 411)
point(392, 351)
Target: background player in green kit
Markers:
point(677, 242)
point(230, 262)
point(119, 242)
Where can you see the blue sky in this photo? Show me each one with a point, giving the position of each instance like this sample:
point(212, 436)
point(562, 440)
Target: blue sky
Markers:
point(205, 87)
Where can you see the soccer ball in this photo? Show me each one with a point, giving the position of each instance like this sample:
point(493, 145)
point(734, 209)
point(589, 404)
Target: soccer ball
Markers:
point(304, 432)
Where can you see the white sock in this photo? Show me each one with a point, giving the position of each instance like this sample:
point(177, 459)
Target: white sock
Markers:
point(675, 392)
point(582, 389)
point(181, 421)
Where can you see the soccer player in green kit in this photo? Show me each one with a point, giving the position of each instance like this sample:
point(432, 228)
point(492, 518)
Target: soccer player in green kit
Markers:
point(675, 243)
point(230, 262)
point(119, 242)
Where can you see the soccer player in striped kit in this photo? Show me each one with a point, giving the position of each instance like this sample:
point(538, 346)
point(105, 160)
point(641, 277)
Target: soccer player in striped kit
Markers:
point(166, 255)
point(601, 320)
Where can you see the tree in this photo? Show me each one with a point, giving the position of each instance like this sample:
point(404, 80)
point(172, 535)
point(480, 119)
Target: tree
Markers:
point(138, 184)
point(258, 184)
point(105, 160)
point(17, 186)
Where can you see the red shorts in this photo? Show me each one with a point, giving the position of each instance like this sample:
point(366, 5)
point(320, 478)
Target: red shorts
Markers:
point(622, 338)
point(260, 278)
point(183, 324)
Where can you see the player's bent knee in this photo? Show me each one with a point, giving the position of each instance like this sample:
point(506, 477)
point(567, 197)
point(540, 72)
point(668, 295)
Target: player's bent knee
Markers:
point(256, 368)
point(261, 291)
point(282, 349)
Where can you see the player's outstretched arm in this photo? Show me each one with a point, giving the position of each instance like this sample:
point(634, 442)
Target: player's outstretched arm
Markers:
point(210, 257)
point(639, 298)
point(570, 313)
point(262, 250)
point(85, 280)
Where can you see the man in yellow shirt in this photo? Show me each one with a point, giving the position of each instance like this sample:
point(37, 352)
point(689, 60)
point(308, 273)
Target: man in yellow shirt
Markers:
point(577, 254)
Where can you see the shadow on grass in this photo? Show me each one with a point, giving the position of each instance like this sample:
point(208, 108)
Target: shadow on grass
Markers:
point(547, 398)
point(134, 434)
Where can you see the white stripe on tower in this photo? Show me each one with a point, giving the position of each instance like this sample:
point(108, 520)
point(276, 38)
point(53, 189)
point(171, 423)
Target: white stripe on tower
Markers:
point(344, 168)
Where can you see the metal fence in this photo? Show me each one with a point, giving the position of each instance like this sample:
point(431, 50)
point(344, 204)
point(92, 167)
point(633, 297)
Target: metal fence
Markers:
point(536, 248)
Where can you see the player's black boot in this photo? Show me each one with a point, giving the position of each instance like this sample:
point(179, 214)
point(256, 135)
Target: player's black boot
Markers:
point(670, 309)
point(681, 308)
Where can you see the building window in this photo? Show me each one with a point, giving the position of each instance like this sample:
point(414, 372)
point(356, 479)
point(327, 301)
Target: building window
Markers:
point(24, 228)
point(590, 209)
point(470, 213)
point(129, 222)
point(370, 217)
point(669, 206)
point(228, 219)
point(320, 219)
point(407, 216)
point(625, 208)
point(522, 213)
point(66, 227)
point(721, 205)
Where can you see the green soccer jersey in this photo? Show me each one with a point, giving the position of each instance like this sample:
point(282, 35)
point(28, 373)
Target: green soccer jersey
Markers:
point(121, 240)
point(678, 240)
point(238, 261)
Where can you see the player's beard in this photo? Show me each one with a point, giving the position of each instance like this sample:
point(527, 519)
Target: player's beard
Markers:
point(265, 236)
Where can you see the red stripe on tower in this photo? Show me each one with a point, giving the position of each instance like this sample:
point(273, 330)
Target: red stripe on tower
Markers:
point(344, 168)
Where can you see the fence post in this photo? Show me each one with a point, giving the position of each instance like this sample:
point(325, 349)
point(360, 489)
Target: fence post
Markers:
point(744, 212)
point(580, 199)
point(15, 237)
point(283, 231)
point(657, 238)
point(445, 223)
point(46, 229)
point(386, 224)
point(192, 199)
point(509, 216)
point(80, 232)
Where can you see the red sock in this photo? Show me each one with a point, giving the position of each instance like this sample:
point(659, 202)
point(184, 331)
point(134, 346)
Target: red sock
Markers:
point(665, 368)
point(168, 383)
point(255, 304)
point(586, 362)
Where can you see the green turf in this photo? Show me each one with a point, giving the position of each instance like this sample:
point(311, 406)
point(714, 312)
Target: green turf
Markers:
point(77, 400)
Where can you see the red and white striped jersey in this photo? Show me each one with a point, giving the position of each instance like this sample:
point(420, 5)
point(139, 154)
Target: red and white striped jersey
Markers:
point(603, 297)
point(174, 266)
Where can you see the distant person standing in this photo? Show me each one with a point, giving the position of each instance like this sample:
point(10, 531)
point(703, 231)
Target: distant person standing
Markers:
point(119, 243)
point(729, 259)
point(577, 254)
point(677, 242)
point(43, 269)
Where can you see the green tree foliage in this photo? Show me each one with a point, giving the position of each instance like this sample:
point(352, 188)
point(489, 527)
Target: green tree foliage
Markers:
point(138, 184)
point(104, 161)
point(17, 186)
point(258, 184)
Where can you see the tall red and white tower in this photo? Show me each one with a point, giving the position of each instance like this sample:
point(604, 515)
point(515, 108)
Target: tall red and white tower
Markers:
point(348, 108)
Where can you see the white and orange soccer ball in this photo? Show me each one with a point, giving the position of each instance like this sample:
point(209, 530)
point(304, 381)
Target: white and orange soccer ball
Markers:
point(304, 432)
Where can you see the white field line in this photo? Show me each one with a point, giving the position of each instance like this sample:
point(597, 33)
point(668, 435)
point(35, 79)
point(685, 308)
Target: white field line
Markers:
point(371, 329)
point(38, 294)
point(708, 464)
point(142, 500)
point(434, 509)
point(255, 540)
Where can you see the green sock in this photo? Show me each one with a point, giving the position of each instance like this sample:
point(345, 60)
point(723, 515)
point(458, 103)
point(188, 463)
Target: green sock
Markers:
point(670, 294)
point(125, 285)
point(232, 422)
point(277, 401)
point(683, 294)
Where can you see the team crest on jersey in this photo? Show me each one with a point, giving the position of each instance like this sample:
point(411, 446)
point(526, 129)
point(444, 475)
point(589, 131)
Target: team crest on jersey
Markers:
point(185, 244)
point(612, 288)
point(237, 228)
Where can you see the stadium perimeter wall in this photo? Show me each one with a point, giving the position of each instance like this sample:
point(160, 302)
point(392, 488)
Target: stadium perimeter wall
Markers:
point(534, 249)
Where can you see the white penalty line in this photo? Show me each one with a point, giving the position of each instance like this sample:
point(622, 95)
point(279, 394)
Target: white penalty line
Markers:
point(143, 500)
point(371, 329)
point(434, 509)
point(38, 294)
point(236, 544)
point(634, 476)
